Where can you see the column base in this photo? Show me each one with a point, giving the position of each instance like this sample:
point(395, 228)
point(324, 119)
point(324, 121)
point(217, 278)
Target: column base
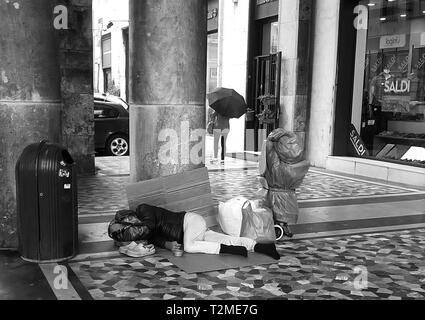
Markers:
point(166, 140)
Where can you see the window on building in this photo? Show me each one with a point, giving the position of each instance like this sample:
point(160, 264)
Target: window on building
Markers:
point(106, 51)
point(274, 37)
point(107, 78)
point(389, 92)
point(107, 61)
point(212, 62)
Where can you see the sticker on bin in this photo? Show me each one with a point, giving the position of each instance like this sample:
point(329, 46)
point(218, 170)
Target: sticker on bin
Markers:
point(67, 186)
point(64, 173)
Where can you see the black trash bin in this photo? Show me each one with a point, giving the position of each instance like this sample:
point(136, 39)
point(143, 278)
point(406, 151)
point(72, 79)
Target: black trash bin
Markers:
point(46, 191)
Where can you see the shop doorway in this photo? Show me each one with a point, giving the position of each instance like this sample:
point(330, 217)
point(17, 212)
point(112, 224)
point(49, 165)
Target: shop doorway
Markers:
point(263, 116)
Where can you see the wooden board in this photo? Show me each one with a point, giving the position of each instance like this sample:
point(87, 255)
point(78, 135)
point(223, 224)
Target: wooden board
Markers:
point(189, 191)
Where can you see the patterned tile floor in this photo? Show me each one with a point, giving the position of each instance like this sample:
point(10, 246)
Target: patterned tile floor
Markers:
point(106, 193)
point(309, 269)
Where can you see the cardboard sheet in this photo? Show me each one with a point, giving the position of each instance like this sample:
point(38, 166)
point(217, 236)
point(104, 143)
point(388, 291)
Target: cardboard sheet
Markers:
point(200, 263)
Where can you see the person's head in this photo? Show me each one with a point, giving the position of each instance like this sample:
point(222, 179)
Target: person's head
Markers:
point(139, 232)
point(145, 232)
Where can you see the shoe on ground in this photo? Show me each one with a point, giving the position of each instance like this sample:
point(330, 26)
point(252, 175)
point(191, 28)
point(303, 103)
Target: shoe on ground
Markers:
point(140, 251)
point(124, 249)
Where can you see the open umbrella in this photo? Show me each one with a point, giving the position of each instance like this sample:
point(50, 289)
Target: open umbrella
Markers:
point(227, 102)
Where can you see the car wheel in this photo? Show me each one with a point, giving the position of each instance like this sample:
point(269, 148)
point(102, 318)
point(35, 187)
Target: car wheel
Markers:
point(118, 146)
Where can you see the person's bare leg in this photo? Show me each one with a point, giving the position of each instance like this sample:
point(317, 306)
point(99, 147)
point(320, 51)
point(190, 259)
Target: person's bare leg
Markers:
point(225, 134)
point(217, 134)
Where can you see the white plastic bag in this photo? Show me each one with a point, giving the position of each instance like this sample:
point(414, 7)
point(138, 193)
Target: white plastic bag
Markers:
point(258, 223)
point(230, 216)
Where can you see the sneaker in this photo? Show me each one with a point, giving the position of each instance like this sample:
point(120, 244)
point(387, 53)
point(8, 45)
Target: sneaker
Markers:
point(140, 251)
point(124, 249)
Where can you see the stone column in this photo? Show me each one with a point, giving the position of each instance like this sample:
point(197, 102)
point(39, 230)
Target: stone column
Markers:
point(30, 107)
point(168, 50)
point(295, 25)
point(320, 141)
point(76, 63)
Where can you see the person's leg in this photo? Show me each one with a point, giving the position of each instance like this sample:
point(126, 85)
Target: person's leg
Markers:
point(212, 236)
point(194, 238)
point(268, 249)
point(225, 134)
point(217, 135)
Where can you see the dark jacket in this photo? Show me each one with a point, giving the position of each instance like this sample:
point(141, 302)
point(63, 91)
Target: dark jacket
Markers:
point(164, 225)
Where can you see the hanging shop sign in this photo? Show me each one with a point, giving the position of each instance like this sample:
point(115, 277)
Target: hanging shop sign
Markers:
point(357, 143)
point(393, 41)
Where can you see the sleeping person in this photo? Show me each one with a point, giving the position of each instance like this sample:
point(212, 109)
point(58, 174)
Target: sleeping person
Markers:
point(170, 230)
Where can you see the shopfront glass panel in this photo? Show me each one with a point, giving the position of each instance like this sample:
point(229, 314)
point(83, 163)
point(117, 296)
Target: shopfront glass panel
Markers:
point(389, 94)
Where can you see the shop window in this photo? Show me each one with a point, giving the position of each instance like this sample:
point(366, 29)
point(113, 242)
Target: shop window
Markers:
point(389, 92)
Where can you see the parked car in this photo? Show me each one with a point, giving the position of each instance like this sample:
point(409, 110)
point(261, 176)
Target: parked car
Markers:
point(111, 128)
point(106, 97)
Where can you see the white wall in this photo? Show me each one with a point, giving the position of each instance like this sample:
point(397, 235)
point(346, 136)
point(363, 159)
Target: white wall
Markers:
point(232, 60)
point(320, 136)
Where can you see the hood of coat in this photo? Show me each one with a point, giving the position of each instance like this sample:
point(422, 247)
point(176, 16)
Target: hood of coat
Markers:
point(287, 145)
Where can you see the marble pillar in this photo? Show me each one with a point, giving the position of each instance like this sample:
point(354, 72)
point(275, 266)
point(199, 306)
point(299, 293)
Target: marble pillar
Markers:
point(76, 64)
point(30, 99)
point(168, 50)
point(321, 124)
point(295, 24)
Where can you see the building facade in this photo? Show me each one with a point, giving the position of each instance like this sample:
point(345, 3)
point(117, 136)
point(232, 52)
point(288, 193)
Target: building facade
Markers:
point(111, 47)
point(346, 76)
point(312, 67)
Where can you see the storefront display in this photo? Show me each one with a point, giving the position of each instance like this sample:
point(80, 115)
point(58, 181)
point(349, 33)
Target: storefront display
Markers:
point(392, 117)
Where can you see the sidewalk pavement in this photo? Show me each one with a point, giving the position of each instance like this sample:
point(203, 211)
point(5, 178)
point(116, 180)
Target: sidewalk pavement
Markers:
point(349, 227)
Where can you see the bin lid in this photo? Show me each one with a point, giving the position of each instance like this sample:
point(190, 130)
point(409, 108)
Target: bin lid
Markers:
point(43, 155)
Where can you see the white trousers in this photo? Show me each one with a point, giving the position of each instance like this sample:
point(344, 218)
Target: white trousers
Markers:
point(198, 239)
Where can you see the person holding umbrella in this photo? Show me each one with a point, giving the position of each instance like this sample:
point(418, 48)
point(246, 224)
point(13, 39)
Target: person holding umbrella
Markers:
point(221, 131)
point(227, 104)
